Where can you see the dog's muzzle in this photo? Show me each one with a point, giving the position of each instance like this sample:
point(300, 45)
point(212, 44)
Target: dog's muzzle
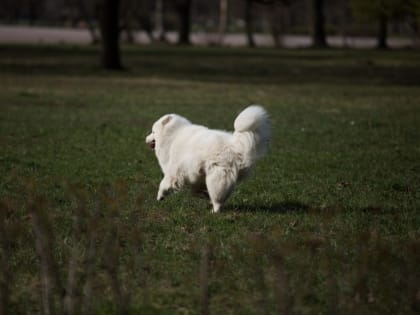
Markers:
point(150, 141)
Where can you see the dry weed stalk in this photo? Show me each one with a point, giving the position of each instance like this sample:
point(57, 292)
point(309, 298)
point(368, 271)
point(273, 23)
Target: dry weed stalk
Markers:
point(96, 244)
point(204, 279)
point(51, 284)
point(5, 248)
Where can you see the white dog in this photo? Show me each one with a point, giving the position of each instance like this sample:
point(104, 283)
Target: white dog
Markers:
point(210, 161)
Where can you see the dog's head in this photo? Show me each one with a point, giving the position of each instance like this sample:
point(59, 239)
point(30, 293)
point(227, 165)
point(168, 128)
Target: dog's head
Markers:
point(166, 125)
point(157, 131)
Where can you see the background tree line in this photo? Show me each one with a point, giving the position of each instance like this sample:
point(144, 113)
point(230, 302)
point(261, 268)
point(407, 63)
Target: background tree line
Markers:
point(113, 20)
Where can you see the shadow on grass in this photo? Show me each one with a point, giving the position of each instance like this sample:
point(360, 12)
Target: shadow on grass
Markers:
point(278, 207)
point(291, 206)
point(262, 66)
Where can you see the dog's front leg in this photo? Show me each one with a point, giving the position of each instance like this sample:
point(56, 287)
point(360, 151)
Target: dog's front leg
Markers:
point(165, 188)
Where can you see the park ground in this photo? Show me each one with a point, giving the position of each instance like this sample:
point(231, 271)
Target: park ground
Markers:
point(328, 224)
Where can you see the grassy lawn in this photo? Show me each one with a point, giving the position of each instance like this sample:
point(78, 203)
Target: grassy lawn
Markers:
point(328, 224)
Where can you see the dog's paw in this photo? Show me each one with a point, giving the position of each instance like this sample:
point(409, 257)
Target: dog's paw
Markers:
point(216, 207)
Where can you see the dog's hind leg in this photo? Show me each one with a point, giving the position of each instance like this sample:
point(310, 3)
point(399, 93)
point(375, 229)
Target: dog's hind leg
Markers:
point(220, 183)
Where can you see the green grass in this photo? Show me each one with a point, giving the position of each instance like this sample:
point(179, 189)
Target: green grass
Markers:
point(328, 224)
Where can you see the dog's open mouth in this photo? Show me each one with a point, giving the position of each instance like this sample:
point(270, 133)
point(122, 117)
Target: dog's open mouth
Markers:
point(152, 144)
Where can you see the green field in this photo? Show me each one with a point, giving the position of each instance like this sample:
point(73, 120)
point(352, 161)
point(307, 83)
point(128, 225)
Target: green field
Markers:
point(328, 224)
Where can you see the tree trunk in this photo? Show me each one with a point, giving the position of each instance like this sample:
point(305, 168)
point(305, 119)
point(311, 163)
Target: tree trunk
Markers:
point(249, 25)
point(415, 28)
point(318, 24)
point(183, 8)
point(110, 35)
point(161, 6)
point(278, 19)
point(382, 32)
point(159, 19)
point(35, 7)
point(223, 17)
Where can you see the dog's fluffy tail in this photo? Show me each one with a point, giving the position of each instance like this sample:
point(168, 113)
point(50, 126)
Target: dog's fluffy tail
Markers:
point(252, 130)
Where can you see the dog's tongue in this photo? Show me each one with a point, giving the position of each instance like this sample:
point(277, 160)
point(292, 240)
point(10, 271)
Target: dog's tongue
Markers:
point(152, 144)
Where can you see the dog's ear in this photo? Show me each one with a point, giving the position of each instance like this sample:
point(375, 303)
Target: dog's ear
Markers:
point(166, 120)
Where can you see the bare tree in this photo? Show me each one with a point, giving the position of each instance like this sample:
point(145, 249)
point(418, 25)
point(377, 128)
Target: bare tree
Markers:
point(382, 12)
point(382, 31)
point(249, 22)
point(183, 10)
point(137, 13)
point(128, 12)
point(159, 18)
point(278, 16)
point(318, 24)
point(223, 19)
point(87, 12)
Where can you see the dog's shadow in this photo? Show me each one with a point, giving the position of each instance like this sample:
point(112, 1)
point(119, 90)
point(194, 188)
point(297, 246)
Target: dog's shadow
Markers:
point(277, 207)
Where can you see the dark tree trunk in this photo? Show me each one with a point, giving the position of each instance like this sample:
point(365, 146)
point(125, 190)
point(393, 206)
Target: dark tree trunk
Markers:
point(110, 32)
point(183, 8)
point(249, 25)
point(318, 24)
point(382, 32)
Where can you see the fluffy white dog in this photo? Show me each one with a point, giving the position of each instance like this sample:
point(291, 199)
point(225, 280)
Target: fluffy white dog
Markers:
point(212, 162)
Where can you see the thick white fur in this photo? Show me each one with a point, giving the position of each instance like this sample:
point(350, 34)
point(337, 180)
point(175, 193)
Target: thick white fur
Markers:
point(208, 160)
